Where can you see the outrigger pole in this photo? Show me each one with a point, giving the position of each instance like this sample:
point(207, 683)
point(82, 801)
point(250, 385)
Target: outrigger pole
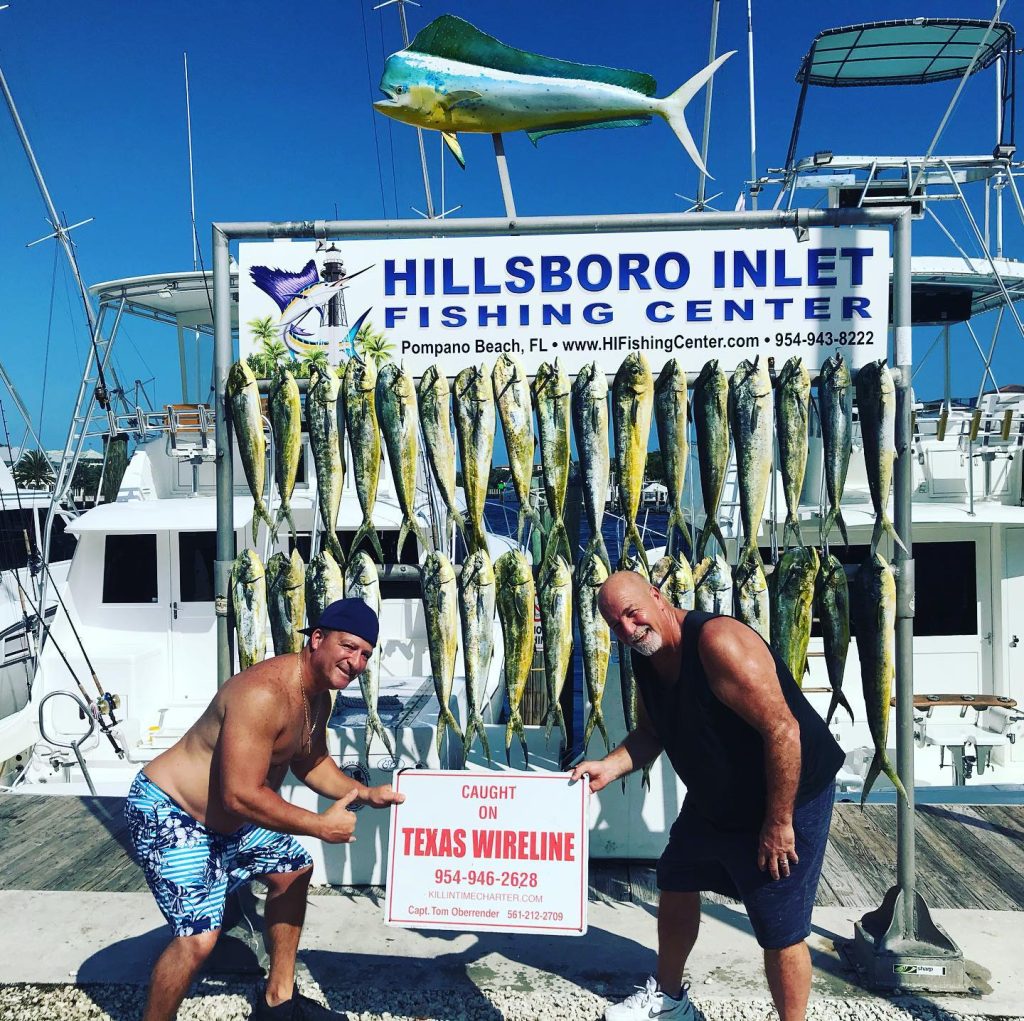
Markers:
point(898, 940)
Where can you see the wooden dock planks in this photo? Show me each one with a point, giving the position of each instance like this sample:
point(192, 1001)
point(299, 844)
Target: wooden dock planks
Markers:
point(968, 856)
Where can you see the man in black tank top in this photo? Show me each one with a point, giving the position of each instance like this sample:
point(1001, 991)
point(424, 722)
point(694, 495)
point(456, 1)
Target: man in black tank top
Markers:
point(759, 766)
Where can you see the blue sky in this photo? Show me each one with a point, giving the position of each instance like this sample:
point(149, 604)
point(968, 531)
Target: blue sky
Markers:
point(283, 129)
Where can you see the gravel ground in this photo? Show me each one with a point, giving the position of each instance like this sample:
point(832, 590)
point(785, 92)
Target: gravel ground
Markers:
point(560, 1001)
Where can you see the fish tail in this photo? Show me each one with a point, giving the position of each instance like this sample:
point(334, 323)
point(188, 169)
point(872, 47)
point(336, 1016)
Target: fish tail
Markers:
point(842, 526)
point(838, 699)
point(366, 531)
point(890, 530)
point(678, 521)
point(673, 108)
point(869, 781)
point(332, 544)
point(711, 528)
point(515, 726)
point(792, 524)
point(375, 725)
point(446, 720)
point(881, 764)
point(633, 534)
point(554, 715)
point(558, 540)
point(475, 725)
point(645, 776)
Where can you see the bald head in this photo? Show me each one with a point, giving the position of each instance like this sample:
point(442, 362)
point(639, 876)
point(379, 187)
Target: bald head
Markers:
point(637, 612)
point(620, 587)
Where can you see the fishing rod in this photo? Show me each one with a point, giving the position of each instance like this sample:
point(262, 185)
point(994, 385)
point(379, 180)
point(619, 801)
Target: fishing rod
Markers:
point(106, 702)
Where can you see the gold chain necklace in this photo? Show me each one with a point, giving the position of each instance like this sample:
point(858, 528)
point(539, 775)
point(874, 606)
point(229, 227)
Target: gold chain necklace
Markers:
point(308, 741)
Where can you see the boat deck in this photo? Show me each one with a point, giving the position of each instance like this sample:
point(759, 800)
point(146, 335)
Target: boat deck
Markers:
point(81, 843)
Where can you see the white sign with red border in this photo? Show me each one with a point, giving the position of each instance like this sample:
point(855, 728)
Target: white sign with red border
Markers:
point(488, 851)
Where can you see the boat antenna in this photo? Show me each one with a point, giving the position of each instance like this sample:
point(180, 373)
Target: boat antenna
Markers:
point(754, 188)
point(705, 138)
point(195, 236)
point(419, 131)
point(62, 233)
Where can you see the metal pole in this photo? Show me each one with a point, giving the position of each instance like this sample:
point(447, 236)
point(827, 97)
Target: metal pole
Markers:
point(419, 131)
point(222, 357)
point(506, 183)
point(948, 389)
point(702, 182)
point(902, 349)
point(753, 118)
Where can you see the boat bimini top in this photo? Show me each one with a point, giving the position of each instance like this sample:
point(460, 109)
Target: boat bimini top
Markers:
point(911, 52)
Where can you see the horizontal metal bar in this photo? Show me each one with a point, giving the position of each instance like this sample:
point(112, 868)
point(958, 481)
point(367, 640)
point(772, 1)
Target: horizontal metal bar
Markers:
point(324, 229)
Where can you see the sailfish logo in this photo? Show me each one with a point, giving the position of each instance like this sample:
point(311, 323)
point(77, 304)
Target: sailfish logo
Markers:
point(299, 294)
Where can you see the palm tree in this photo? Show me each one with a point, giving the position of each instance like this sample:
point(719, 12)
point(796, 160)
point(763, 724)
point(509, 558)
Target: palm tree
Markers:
point(263, 330)
point(33, 471)
point(374, 344)
point(314, 359)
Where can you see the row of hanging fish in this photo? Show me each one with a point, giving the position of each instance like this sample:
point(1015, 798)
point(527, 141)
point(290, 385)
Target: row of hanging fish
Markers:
point(746, 411)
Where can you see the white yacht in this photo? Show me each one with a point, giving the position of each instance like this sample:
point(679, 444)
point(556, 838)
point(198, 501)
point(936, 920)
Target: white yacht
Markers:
point(140, 594)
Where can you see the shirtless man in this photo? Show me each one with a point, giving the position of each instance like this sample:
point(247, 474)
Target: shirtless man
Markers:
point(205, 815)
point(759, 766)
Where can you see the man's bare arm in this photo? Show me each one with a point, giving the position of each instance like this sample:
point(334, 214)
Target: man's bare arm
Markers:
point(244, 750)
point(320, 773)
point(741, 674)
point(640, 747)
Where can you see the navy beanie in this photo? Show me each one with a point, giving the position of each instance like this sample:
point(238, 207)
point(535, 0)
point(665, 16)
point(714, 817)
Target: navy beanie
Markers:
point(352, 616)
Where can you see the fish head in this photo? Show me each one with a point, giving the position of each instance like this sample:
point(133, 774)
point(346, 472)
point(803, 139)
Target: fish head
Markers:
point(409, 93)
point(634, 374)
point(671, 378)
point(276, 568)
point(437, 572)
point(660, 571)
point(477, 571)
point(591, 572)
point(834, 372)
point(543, 378)
point(556, 573)
point(295, 574)
point(794, 374)
point(507, 370)
point(239, 377)
point(248, 567)
point(361, 573)
point(512, 569)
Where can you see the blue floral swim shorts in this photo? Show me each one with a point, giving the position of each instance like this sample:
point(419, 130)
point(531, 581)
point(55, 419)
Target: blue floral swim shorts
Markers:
point(191, 869)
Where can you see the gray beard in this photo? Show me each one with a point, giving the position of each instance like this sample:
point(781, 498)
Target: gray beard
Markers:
point(649, 644)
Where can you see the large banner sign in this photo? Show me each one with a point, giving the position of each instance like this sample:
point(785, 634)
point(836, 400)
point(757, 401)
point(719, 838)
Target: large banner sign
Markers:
point(692, 296)
point(494, 851)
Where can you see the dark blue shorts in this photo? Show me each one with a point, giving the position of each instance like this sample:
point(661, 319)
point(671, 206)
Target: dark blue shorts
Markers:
point(191, 869)
point(701, 857)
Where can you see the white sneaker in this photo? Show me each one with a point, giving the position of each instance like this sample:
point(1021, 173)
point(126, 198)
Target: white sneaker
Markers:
point(650, 1002)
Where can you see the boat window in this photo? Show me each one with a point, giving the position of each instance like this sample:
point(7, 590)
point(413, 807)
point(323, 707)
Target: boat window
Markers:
point(129, 569)
point(945, 589)
point(13, 525)
point(196, 554)
point(940, 606)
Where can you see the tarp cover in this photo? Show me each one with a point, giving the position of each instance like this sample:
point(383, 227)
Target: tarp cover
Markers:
point(901, 52)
